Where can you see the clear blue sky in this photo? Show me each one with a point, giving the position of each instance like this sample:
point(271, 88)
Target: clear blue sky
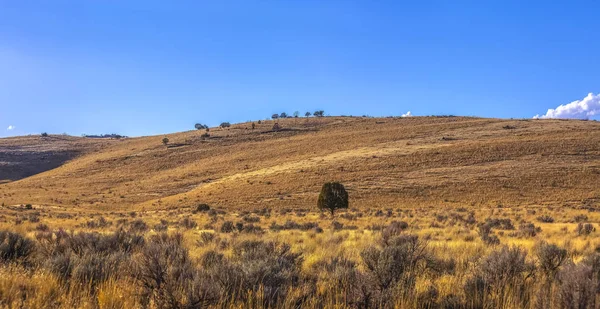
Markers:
point(151, 67)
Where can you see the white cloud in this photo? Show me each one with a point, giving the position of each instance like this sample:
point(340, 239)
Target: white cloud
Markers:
point(580, 109)
point(408, 114)
point(10, 128)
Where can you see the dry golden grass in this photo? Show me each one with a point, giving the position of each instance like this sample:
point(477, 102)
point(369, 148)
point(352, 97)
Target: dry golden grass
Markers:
point(448, 233)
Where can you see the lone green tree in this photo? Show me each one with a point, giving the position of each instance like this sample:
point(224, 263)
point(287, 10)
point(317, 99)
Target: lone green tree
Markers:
point(333, 196)
point(165, 141)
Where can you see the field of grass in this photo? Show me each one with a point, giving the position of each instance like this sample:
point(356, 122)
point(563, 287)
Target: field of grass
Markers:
point(381, 258)
point(445, 212)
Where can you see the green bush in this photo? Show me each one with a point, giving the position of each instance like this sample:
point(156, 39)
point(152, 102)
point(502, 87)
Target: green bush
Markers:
point(333, 196)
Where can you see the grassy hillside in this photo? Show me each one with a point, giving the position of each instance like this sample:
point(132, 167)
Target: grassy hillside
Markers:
point(446, 212)
point(384, 162)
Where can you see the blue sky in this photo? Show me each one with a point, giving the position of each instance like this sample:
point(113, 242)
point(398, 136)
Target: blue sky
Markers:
point(152, 67)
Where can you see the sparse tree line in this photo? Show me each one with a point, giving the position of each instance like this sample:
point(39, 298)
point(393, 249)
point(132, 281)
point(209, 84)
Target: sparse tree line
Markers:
point(276, 127)
point(112, 135)
point(296, 114)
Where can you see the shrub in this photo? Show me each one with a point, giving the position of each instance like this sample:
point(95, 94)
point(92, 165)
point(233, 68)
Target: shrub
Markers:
point(584, 229)
point(165, 141)
point(61, 265)
point(545, 219)
point(336, 226)
point(502, 279)
point(394, 229)
point(485, 233)
point(206, 238)
point(239, 226)
point(42, 228)
point(81, 243)
point(550, 257)
point(188, 223)
point(99, 223)
point(348, 216)
point(578, 287)
point(44, 134)
point(580, 218)
point(251, 228)
point(202, 207)
point(255, 264)
point(88, 259)
point(14, 247)
point(138, 226)
point(92, 269)
point(161, 227)
point(341, 273)
point(505, 264)
point(227, 227)
point(502, 224)
point(167, 276)
point(528, 230)
point(292, 225)
point(333, 196)
point(225, 125)
point(397, 262)
point(251, 219)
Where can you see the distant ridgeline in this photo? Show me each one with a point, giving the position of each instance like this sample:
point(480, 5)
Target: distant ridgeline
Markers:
point(116, 136)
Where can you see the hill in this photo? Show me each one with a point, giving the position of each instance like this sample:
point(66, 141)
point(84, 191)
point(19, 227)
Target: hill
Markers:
point(384, 163)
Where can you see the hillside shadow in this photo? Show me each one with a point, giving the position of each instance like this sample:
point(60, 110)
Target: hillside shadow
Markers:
point(16, 164)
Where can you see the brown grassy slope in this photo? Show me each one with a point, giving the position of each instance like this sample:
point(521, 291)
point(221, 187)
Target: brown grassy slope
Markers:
point(24, 156)
point(383, 162)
